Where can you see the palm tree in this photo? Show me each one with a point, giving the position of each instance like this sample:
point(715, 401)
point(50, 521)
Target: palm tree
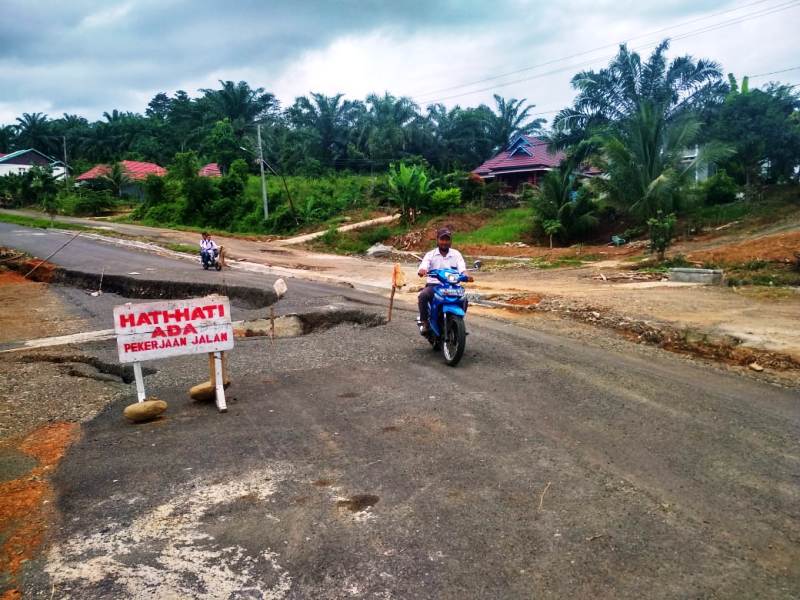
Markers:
point(644, 159)
point(34, 131)
point(240, 104)
point(389, 121)
point(7, 137)
point(511, 119)
point(329, 117)
point(116, 178)
point(560, 206)
point(616, 92)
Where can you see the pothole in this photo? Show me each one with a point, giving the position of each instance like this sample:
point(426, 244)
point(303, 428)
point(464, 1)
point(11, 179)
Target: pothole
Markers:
point(79, 365)
point(294, 325)
point(359, 502)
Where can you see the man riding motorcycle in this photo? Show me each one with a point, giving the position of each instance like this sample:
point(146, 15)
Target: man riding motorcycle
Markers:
point(208, 248)
point(441, 257)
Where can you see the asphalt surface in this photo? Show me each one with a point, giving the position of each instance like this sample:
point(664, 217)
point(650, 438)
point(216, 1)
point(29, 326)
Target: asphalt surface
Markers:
point(354, 464)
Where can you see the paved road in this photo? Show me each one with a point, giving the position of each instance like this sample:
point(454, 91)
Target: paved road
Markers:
point(353, 463)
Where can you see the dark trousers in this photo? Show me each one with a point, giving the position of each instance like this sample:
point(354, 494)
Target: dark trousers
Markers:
point(424, 298)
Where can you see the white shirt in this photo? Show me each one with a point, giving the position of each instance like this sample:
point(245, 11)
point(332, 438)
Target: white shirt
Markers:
point(208, 244)
point(434, 260)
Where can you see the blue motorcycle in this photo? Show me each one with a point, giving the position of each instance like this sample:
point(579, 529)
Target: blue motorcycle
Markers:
point(447, 331)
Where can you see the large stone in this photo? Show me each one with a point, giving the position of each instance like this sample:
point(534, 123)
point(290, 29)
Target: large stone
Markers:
point(380, 251)
point(203, 392)
point(145, 411)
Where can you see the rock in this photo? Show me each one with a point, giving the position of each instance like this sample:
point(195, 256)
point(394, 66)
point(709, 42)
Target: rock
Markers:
point(203, 392)
point(380, 250)
point(756, 367)
point(145, 411)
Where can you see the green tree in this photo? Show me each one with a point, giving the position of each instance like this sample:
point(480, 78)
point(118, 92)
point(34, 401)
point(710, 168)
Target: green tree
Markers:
point(33, 131)
point(116, 178)
point(242, 105)
point(616, 93)
point(662, 230)
point(644, 160)
point(221, 144)
point(762, 128)
point(561, 199)
point(410, 189)
point(510, 119)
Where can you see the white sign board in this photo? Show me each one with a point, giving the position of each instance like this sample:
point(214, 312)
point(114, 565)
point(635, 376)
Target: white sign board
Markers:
point(160, 329)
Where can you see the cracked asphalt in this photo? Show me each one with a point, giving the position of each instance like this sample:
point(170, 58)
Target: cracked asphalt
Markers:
point(354, 464)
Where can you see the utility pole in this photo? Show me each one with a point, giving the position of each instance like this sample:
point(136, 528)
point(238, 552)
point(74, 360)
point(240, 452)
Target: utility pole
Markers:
point(261, 166)
point(66, 173)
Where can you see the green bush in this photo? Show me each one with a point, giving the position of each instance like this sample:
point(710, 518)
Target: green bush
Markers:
point(719, 189)
point(445, 200)
point(88, 203)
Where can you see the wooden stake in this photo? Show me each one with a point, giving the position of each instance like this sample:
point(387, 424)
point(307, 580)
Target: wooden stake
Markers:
point(220, 378)
point(391, 304)
point(137, 374)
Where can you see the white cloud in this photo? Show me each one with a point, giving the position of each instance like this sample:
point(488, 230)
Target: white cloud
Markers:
point(106, 17)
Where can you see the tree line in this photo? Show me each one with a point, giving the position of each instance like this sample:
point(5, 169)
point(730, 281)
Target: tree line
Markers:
point(647, 123)
point(316, 134)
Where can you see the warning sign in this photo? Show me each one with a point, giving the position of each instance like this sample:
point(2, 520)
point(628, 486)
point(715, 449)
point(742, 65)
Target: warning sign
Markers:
point(160, 329)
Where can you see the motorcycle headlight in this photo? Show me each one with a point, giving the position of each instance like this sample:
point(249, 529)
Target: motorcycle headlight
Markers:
point(452, 278)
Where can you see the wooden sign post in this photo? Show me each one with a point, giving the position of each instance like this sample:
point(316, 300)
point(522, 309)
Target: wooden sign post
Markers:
point(156, 330)
point(398, 281)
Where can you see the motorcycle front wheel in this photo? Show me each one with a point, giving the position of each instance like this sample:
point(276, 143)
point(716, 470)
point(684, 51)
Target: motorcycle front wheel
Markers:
point(455, 339)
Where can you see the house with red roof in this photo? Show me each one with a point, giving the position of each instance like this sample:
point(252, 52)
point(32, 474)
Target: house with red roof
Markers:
point(210, 170)
point(136, 171)
point(526, 159)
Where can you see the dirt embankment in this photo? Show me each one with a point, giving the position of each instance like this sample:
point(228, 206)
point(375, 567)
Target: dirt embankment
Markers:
point(44, 396)
point(26, 497)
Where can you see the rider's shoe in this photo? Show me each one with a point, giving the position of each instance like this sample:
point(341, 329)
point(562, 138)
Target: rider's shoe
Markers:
point(424, 327)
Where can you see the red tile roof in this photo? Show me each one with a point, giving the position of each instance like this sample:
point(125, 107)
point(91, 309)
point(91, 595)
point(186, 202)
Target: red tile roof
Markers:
point(539, 159)
point(135, 170)
point(210, 170)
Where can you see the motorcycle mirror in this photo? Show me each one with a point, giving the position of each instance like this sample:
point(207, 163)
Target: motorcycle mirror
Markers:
point(477, 264)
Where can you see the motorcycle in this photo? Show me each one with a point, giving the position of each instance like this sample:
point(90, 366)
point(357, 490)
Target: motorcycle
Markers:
point(210, 259)
point(447, 331)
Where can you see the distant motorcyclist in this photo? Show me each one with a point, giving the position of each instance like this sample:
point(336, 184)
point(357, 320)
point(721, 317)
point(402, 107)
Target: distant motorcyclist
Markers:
point(441, 257)
point(208, 248)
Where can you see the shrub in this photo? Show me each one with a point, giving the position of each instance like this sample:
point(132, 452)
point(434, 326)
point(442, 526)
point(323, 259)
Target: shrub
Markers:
point(720, 188)
point(662, 230)
point(445, 200)
point(88, 203)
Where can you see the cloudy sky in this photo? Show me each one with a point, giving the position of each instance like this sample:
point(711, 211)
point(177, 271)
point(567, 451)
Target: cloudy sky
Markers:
point(89, 56)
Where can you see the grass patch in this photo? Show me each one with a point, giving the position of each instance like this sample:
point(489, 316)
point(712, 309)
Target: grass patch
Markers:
point(185, 248)
point(38, 223)
point(761, 273)
point(351, 242)
point(511, 225)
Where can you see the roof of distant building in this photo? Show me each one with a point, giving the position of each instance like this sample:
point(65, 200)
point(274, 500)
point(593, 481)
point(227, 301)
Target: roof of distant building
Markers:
point(524, 153)
point(9, 156)
point(210, 170)
point(135, 170)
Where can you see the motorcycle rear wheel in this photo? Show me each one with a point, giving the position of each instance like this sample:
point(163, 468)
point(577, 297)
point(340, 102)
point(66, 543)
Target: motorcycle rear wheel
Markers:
point(455, 340)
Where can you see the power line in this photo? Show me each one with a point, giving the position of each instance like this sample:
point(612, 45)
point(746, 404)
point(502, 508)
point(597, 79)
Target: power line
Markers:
point(774, 72)
point(598, 48)
point(706, 29)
